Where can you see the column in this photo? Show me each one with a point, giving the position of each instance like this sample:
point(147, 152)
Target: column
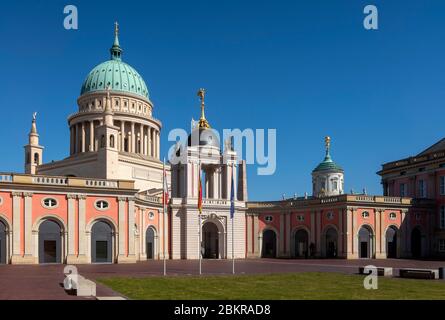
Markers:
point(71, 140)
point(131, 222)
point(82, 245)
point(71, 225)
point(378, 235)
point(133, 139)
point(121, 226)
point(256, 236)
point(16, 230)
point(340, 233)
point(150, 149)
point(249, 227)
point(354, 233)
point(83, 136)
point(158, 134)
point(28, 224)
point(349, 234)
point(312, 236)
point(318, 228)
point(141, 139)
point(91, 146)
point(122, 135)
point(288, 235)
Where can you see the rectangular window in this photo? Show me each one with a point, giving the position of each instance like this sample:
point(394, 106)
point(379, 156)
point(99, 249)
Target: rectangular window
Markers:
point(442, 217)
point(442, 245)
point(442, 185)
point(422, 189)
point(403, 190)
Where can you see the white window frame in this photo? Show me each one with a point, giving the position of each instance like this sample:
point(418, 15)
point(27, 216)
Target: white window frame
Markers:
point(441, 245)
point(96, 205)
point(151, 215)
point(442, 217)
point(50, 206)
point(268, 218)
point(392, 216)
point(365, 214)
point(442, 185)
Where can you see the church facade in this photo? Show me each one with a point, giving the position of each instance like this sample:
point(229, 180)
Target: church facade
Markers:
point(104, 202)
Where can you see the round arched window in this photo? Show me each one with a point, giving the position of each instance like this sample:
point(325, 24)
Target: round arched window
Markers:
point(49, 203)
point(102, 205)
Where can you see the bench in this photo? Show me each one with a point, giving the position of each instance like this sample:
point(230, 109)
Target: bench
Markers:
point(419, 273)
point(381, 271)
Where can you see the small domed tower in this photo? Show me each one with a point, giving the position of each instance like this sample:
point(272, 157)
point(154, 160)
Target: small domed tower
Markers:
point(327, 177)
point(33, 151)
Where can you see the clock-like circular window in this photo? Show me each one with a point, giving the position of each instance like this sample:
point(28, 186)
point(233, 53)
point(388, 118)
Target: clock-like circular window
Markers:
point(151, 215)
point(268, 218)
point(101, 205)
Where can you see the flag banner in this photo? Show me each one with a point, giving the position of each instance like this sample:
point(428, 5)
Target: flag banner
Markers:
point(165, 187)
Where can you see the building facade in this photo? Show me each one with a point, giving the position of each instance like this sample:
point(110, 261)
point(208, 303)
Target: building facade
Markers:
point(104, 202)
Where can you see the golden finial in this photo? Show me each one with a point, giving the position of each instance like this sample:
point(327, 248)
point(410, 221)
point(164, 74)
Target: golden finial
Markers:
point(327, 142)
point(203, 123)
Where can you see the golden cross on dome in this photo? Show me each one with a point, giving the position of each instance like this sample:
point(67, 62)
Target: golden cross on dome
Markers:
point(327, 142)
point(116, 28)
point(203, 123)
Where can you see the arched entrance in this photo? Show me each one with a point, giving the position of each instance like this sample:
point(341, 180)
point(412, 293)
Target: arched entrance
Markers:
point(210, 241)
point(331, 243)
point(269, 244)
point(150, 242)
point(101, 242)
point(50, 242)
point(301, 244)
point(416, 243)
point(365, 244)
point(3, 247)
point(391, 242)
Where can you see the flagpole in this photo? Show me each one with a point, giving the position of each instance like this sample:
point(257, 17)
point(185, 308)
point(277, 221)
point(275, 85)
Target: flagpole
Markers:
point(233, 233)
point(199, 214)
point(163, 212)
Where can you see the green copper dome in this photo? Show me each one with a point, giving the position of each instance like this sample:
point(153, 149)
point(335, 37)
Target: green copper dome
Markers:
point(328, 164)
point(115, 74)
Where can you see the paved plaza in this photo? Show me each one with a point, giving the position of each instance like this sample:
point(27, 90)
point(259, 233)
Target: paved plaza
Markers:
point(45, 281)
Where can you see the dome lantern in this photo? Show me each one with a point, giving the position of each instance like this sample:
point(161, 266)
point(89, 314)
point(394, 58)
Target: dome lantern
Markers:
point(116, 50)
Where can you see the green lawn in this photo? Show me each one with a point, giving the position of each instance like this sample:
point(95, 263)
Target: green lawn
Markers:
point(274, 286)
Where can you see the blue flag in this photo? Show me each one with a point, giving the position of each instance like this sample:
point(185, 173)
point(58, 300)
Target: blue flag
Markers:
point(232, 199)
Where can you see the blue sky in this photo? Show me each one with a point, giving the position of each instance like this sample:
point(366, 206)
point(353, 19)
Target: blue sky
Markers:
point(306, 68)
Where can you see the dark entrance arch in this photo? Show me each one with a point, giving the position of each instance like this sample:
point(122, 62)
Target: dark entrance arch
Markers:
point(50, 242)
point(101, 243)
point(150, 241)
point(301, 244)
point(210, 241)
point(331, 243)
point(2, 242)
point(269, 244)
point(416, 243)
point(365, 242)
point(391, 242)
